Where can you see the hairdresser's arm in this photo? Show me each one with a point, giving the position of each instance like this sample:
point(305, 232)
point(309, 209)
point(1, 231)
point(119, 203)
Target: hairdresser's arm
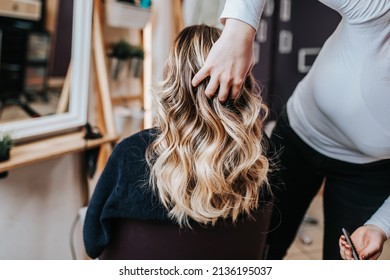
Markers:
point(369, 239)
point(231, 58)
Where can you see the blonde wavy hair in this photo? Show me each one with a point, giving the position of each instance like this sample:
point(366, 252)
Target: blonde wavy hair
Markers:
point(207, 161)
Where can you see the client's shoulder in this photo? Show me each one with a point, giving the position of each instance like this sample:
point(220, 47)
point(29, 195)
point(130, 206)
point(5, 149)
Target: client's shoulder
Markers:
point(140, 140)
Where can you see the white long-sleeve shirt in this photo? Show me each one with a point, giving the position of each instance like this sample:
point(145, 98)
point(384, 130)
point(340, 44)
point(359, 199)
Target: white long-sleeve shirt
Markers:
point(381, 218)
point(342, 107)
point(244, 10)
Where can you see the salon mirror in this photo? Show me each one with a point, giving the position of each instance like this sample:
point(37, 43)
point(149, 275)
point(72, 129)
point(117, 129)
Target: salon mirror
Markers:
point(44, 66)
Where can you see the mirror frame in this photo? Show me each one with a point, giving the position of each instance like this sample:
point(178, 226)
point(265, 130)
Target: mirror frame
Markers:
point(76, 115)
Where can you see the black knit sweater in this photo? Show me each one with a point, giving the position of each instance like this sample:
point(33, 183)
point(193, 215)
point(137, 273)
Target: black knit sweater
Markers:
point(122, 192)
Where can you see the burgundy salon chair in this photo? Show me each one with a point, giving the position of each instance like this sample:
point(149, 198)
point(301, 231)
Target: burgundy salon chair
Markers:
point(143, 240)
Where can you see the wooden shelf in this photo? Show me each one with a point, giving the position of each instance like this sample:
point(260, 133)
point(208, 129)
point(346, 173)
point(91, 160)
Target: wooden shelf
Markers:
point(53, 147)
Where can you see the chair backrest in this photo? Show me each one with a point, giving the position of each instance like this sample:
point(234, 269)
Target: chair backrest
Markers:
point(145, 240)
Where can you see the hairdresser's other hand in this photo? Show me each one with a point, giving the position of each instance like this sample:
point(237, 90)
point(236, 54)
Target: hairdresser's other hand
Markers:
point(229, 61)
point(368, 240)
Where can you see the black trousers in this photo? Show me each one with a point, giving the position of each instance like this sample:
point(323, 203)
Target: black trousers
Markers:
point(353, 192)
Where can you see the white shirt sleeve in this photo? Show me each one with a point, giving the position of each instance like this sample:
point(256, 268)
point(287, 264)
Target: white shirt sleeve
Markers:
point(381, 218)
point(248, 11)
point(359, 11)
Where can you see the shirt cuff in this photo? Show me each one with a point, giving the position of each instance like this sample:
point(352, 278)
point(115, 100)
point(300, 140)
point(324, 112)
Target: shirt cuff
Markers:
point(248, 11)
point(381, 218)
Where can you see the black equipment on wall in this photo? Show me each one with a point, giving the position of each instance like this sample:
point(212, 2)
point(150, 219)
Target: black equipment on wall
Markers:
point(15, 34)
point(296, 31)
point(264, 46)
point(13, 56)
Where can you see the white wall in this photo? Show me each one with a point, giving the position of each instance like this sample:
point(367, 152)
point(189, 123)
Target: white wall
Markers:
point(203, 11)
point(162, 37)
point(38, 204)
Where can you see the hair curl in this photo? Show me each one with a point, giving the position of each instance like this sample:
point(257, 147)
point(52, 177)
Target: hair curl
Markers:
point(207, 161)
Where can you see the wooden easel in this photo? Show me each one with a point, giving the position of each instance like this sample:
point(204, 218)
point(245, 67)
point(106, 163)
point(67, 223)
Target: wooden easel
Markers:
point(104, 113)
point(63, 102)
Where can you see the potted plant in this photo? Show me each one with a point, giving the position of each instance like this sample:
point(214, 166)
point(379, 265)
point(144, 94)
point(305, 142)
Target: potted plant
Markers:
point(6, 143)
point(136, 62)
point(121, 52)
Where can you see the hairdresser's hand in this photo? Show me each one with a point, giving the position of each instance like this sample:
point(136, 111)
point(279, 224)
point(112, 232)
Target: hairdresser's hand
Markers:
point(229, 61)
point(368, 240)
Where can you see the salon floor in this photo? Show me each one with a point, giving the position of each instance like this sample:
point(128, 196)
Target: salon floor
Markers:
point(312, 234)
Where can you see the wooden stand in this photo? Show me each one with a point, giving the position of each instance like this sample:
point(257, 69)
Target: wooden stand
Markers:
point(105, 115)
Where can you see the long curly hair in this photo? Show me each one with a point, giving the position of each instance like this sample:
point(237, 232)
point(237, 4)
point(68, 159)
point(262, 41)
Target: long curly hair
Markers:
point(208, 160)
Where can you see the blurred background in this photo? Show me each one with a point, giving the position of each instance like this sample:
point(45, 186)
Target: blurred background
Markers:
point(42, 202)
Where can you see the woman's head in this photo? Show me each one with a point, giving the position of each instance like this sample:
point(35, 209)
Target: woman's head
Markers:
point(189, 53)
point(207, 161)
